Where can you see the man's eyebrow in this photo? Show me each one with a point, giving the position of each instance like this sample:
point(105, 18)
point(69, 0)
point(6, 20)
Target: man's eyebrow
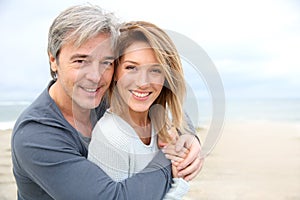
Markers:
point(76, 56)
point(79, 56)
point(109, 58)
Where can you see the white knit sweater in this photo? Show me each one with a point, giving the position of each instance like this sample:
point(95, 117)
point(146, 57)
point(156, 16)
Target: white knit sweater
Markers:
point(118, 150)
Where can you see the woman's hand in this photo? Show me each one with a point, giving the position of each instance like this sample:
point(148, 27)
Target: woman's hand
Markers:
point(185, 155)
point(177, 157)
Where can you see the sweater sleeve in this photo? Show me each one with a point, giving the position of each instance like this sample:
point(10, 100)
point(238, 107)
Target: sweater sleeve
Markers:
point(48, 163)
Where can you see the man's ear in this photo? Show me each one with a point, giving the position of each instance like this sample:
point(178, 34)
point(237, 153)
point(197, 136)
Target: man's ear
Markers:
point(53, 62)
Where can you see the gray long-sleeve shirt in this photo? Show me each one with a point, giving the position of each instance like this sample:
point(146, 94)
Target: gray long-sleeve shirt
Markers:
point(49, 162)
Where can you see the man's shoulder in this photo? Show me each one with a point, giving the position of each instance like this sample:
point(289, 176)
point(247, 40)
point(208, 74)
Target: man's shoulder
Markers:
point(42, 110)
point(41, 120)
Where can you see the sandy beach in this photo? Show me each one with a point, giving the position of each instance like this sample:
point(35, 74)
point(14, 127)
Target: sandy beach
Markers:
point(7, 183)
point(252, 161)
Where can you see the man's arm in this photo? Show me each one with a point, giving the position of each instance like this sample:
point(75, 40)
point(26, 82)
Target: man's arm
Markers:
point(52, 159)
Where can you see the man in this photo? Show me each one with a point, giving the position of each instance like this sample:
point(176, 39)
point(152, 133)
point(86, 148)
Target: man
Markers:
point(50, 138)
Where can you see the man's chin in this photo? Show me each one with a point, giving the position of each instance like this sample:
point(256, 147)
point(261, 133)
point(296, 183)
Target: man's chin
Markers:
point(88, 105)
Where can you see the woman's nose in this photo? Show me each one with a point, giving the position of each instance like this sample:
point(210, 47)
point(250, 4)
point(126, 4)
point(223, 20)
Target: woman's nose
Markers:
point(143, 79)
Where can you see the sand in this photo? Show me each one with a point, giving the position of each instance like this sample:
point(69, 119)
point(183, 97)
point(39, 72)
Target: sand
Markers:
point(7, 183)
point(251, 161)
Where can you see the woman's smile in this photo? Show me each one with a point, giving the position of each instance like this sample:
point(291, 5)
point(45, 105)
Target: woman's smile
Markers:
point(140, 95)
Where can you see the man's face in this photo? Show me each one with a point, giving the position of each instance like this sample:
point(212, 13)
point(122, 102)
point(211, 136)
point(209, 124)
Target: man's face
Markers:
point(84, 73)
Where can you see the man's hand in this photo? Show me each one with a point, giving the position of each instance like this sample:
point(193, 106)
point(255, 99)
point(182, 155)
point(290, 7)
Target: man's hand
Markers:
point(188, 166)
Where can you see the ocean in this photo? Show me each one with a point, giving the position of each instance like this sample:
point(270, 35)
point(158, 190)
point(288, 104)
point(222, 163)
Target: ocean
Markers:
point(283, 110)
point(9, 112)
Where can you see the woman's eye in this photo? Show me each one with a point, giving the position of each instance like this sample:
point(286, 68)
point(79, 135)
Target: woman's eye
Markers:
point(130, 67)
point(157, 71)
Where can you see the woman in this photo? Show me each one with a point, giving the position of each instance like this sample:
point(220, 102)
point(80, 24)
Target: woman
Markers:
point(146, 99)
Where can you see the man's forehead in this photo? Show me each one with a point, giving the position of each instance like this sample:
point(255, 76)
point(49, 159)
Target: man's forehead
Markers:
point(95, 49)
point(103, 50)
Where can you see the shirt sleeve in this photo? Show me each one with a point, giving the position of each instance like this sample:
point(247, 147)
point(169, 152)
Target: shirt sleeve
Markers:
point(52, 159)
point(190, 129)
point(179, 188)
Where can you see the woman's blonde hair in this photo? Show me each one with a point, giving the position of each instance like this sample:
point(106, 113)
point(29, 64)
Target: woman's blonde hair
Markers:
point(171, 98)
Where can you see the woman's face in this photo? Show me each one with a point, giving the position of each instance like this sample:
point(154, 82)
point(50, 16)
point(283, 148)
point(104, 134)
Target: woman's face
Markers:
point(139, 77)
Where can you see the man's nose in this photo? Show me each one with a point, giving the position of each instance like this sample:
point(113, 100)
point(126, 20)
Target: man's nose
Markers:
point(95, 72)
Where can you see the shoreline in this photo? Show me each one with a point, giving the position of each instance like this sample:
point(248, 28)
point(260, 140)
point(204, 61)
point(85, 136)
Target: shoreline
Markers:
point(251, 160)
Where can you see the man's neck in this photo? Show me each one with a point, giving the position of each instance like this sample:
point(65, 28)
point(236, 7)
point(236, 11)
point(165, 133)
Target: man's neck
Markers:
point(79, 118)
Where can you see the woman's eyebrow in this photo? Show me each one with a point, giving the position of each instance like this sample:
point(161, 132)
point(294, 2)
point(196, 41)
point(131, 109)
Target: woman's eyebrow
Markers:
point(130, 61)
point(136, 63)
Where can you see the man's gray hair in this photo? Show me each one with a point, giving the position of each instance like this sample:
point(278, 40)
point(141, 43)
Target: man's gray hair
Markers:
point(78, 24)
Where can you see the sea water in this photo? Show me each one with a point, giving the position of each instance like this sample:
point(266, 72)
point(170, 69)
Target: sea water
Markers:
point(9, 112)
point(277, 109)
point(200, 111)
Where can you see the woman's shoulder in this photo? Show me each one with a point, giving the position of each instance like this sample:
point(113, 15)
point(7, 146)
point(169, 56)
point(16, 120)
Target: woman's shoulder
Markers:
point(113, 122)
point(112, 129)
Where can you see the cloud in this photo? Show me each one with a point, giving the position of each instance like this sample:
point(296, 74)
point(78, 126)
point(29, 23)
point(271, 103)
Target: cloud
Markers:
point(254, 44)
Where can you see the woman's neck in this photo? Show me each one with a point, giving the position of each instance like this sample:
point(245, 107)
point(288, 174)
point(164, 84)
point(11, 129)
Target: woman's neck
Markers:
point(141, 123)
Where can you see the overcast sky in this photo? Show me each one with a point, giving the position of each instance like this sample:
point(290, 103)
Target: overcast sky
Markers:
point(255, 44)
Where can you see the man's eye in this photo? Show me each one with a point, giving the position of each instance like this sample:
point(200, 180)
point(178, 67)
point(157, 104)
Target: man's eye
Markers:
point(79, 61)
point(107, 63)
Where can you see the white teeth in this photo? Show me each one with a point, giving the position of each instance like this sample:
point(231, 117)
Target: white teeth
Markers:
point(141, 95)
point(90, 90)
